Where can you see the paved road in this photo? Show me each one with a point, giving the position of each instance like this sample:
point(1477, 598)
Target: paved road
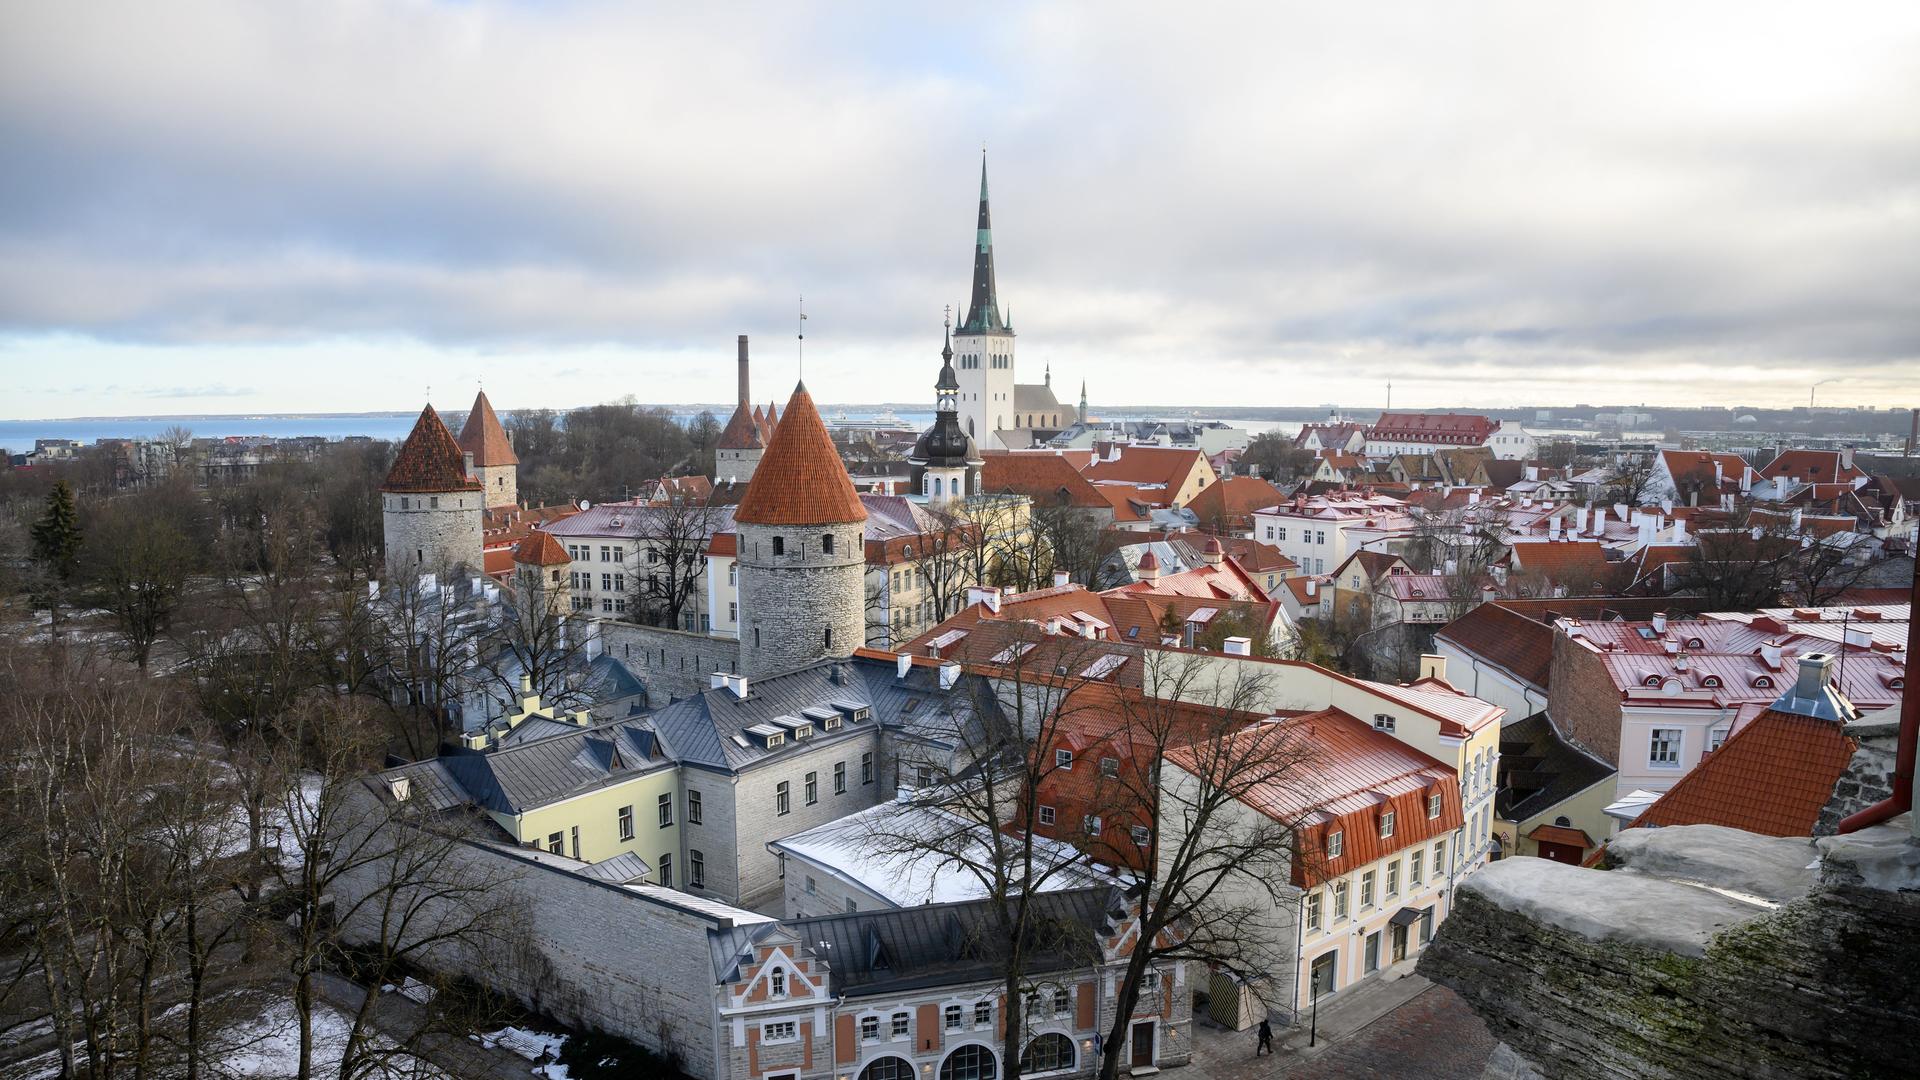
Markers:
point(1431, 1035)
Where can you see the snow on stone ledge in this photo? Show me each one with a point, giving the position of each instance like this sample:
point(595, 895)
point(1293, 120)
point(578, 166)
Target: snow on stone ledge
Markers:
point(1608, 906)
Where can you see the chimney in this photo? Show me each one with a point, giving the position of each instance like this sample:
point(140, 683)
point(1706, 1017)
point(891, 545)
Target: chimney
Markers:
point(1858, 638)
point(949, 674)
point(1239, 646)
point(1553, 528)
point(744, 394)
point(1679, 530)
point(716, 680)
point(984, 594)
point(902, 663)
point(1488, 595)
point(1659, 622)
point(1585, 514)
point(737, 684)
point(1811, 696)
point(1149, 566)
point(1312, 586)
point(1599, 521)
point(1770, 654)
point(1433, 666)
point(1187, 634)
point(1061, 579)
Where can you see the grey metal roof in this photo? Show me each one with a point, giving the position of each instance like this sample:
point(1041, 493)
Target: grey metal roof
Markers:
point(621, 869)
point(729, 945)
point(627, 521)
point(700, 728)
point(513, 779)
point(901, 949)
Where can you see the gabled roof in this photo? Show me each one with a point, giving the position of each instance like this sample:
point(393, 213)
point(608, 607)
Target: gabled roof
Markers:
point(1234, 499)
point(1813, 467)
point(1770, 777)
point(1166, 465)
point(430, 460)
point(1521, 646)
point(1460, 428)
point(1047, 479)
point(484, 438)
point(800, 479)
point(1577, 564)
point(1539, 769)
point(514, 779)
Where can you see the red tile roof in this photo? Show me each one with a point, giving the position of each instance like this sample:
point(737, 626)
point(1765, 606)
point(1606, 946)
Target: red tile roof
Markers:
point(484, 438)
point(800, 479)
point(1771, 777)
point(1511, 641)
point(1233, 500)
point(1167, 465)
point(1047, 479)
point(430, 460)
point(1460, 428)
point(1811, 467)
point(742, 431)
point(1577, 564)
point(541, 549)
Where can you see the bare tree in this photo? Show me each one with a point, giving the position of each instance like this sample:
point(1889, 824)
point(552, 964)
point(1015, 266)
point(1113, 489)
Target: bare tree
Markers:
point(140, 563)
point(665, 581)
point(1070, 537)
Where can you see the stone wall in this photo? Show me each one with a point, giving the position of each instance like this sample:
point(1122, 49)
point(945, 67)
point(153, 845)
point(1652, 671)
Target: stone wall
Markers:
point(1583, 701)
point(673, 663)
point(790, 602)
point(425, 538)
point(1641, 972)
point(501, 483)
point(758, 820)
point(1869, 776)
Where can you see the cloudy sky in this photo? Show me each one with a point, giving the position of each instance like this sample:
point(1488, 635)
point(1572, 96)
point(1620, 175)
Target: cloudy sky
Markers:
point(232, 207)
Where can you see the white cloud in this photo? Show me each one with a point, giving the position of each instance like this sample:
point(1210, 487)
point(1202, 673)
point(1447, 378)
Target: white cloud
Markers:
point(1498, 203)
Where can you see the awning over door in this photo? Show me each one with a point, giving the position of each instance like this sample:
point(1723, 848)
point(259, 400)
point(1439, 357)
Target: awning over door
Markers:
point(1407, 916)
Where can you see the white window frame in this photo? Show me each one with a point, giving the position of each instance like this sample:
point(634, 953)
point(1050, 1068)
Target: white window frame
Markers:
point(1674, 748)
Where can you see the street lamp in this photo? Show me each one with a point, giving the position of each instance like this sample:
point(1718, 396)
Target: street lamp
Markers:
point(1313, 1027)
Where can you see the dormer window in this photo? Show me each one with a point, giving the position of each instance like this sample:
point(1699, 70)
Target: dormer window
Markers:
point(1763, 682)
point(1652, 681)
point(1696, 643)
point(1334, 843)
point(776, 740)
point(1386, 824)
point(1711, 682)
point(832, 723)
point(804, 731)
point(1383, 722)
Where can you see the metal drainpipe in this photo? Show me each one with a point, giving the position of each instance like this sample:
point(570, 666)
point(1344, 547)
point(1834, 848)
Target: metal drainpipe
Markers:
point(1902, 799)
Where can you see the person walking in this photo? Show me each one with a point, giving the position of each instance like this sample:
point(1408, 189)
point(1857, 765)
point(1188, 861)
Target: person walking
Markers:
point(1266, 1038)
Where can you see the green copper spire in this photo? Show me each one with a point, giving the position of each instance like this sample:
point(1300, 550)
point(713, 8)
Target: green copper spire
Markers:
point(983, 314)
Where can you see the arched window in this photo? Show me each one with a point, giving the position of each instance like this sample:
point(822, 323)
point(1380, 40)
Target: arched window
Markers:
point(888, 1068)
point(1563, 822)
point(969, 1062)
point(1047, 1053)
point(936, 485)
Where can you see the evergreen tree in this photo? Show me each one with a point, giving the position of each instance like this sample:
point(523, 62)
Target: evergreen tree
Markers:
point(56, 536)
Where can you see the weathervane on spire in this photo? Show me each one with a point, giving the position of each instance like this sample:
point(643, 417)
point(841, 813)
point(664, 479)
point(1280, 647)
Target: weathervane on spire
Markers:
point(803, 338)
point(946, 316)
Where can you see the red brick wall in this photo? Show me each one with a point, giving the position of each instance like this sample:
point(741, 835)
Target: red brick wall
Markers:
point(1582, 699)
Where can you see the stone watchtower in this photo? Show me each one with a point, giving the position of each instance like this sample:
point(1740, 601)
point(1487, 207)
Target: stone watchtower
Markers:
point(430, 505)
point(801, 530)
point(742, 442)
point(493, 462)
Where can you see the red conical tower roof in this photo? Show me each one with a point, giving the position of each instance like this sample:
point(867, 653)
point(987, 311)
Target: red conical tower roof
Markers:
point(800, 479)
point(484, 438)
point(541, 549)
point(430, 460)
point(742, 431)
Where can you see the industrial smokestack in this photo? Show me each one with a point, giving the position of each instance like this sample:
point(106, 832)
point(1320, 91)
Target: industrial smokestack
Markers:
point(745, 395)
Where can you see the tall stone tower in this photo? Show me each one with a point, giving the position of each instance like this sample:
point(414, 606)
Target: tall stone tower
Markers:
point(801, 531)
point(946, 464)
point(431, 506)
point(540, 581)
point(493, 462)
point(744, 439)
point(983, 345)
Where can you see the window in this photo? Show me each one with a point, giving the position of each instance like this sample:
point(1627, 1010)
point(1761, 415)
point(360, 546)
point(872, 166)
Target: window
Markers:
point(777, 983)
point(1140, 836)
point(780, 798)
point(1109, 766)
point(953, 1016)
point(813, 788)
point(899, 1026)
point(696, 869)
point(606, 582)
point(1414, 867)
point(733, 611)
point(866, 768)
point(733, 573)
point(1373, 953)
point(1433, 806)
point(693, 808)
point(1366, 889)
point(779, 1031)
point(1046, 815)
point(1393, 878)
point(1383, 722)
point(619, 583)
point(1092, 825)
point(1716, 737)
point(1051, 1052)
point(982, 1013)
point(826, 543)
point(556, 843)
point(1282, 536)
point(1313, 910)
point(575, 832)
point(1062, 1001)
point(839, 778)
point(1063, 759)
point(1440, 859)
point(666, 810)
point(1386, 824)
point(969, 1062)
point(666, 870)
point(626, 823)
point(826, 637)
point(779, 545)
point(433, 502)
point(1664, 748)
point(813, 887)
point(1339, 899)
point(869, 1027)
point(1334, 840)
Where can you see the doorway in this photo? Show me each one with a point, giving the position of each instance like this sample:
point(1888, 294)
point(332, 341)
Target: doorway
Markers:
point(1399, 942)
point(1142, 1043)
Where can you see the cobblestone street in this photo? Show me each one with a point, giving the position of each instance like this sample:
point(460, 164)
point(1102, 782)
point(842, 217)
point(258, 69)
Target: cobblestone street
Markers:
point(1431, 1036)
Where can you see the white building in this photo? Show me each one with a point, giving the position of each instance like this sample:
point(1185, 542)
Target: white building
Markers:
point(1321, 531)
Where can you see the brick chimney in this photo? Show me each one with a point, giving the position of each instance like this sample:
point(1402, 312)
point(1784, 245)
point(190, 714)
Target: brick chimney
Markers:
point(744, 395)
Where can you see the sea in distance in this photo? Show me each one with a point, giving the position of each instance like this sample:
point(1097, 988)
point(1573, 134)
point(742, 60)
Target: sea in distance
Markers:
point(19, 436)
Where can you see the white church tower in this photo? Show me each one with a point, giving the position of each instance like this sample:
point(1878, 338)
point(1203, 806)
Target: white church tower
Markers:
point(983, 345)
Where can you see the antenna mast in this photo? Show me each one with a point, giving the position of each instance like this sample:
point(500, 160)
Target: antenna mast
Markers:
point(801, 349)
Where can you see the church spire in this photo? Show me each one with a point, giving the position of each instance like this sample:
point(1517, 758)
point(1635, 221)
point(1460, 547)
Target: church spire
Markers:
point(983, 313)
